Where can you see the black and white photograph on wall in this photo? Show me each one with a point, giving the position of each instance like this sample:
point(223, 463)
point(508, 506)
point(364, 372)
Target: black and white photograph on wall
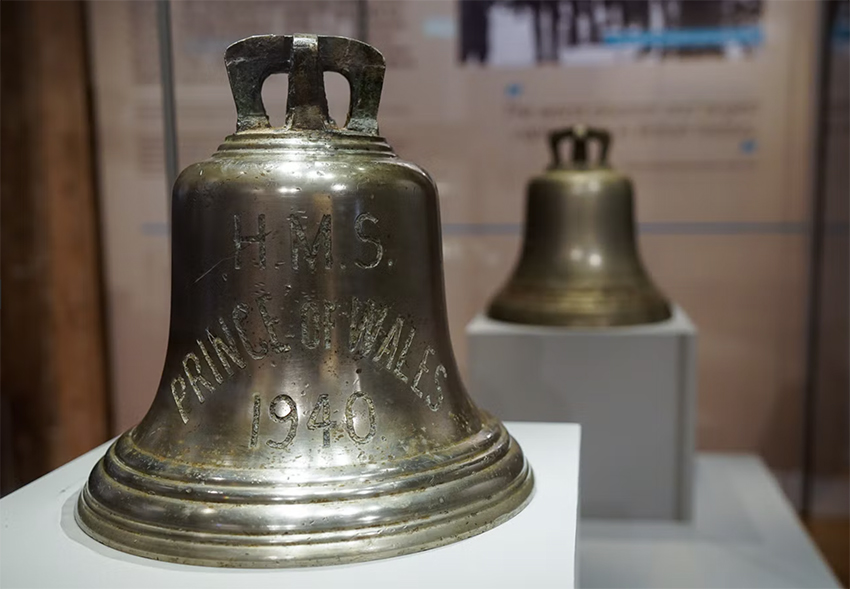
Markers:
point(526, 33)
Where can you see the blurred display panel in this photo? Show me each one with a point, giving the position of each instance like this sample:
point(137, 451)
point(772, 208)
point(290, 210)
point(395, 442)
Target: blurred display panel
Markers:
point(714, 136)
point(717, 139)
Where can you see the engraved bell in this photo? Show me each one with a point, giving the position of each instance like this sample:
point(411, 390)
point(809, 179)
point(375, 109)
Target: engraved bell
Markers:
point(580, 265)
point(310, 409)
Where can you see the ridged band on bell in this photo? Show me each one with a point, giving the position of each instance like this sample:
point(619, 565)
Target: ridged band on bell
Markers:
point(310, 409)
point(580, 265)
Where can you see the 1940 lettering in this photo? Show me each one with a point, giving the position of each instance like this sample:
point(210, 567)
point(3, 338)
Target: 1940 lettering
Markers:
point(284, 410)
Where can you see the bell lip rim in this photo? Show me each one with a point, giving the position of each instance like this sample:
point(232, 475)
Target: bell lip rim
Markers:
point(433, 527)
point(575, 321)
point(552, 307)
point(489, 451)
point(525, 490)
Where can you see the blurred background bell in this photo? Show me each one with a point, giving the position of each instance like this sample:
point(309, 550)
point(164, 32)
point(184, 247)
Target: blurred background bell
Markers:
point(310, 409)
point(580, 265)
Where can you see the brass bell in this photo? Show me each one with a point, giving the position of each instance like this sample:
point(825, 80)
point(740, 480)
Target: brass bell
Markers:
point(580, 265)
point(310, 409)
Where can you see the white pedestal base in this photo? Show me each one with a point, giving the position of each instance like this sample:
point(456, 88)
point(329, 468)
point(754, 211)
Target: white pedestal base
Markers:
point(744, 534)
point(632, 389)
point(43, 547)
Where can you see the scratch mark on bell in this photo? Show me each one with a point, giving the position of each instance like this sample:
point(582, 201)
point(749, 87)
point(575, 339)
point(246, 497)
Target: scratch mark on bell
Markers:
point(213, 267)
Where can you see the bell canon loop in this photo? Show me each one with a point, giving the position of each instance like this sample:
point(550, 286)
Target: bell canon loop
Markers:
point(580, 265)
point(310, 410)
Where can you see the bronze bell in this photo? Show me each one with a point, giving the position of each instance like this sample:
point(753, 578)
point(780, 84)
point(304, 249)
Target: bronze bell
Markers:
point(580, 265)
point(310, 409)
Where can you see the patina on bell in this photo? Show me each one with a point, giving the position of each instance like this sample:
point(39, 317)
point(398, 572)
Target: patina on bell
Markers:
point(310, 409)
point(580, 265)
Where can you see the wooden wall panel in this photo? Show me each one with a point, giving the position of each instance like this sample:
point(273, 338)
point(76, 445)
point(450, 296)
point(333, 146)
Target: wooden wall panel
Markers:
point(54, 401)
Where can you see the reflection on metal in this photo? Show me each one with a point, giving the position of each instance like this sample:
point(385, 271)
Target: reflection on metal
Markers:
point(580, 265)
point(310, 409)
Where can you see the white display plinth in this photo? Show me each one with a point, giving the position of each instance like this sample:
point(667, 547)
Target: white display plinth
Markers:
point(744, 534)
point(632, 389)
point(43, 547)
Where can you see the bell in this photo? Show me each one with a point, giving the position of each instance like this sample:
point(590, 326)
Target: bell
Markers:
point(580, 265)
point(310, 410)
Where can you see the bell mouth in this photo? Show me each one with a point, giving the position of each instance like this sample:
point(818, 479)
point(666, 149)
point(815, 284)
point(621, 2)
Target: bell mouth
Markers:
point(592, 307)
point(200, 515)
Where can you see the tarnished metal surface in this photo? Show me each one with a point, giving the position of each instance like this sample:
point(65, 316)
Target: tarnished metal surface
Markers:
point(310, 409)
point(580, 264)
